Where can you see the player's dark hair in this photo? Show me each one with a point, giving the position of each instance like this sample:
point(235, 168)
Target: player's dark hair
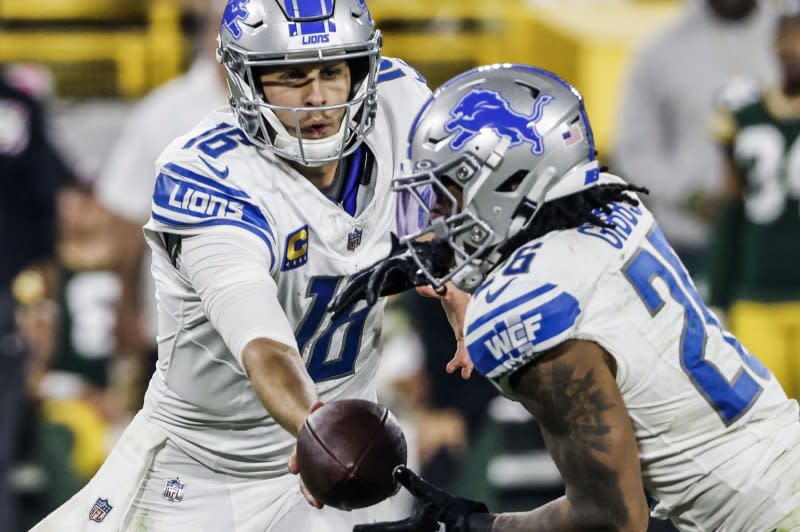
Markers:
point(573, 211)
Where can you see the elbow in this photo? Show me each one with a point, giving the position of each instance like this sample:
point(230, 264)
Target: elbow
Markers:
point(261, 354)
point(253, 356)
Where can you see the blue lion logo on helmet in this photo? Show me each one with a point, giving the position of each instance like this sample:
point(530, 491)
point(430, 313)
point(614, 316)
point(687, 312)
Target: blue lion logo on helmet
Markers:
point(235, 11)
point(488, 109)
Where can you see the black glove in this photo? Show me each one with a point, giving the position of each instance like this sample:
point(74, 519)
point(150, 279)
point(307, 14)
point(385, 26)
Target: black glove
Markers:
point(396, 273)
point(436, 505)
point(419, 521)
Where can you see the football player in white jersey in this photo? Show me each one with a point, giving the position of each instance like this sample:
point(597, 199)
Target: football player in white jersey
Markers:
point(258, 215)
point(582, 312)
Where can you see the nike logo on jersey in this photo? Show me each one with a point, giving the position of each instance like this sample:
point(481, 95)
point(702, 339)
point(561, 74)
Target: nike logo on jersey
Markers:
point(492, 296)
point(222, 174)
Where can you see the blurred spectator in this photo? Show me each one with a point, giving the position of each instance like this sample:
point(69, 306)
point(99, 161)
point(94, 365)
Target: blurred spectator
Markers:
point(78, 407)
point(663, 128)
point(456, 408)
point(31, 174)
point(405, 384)
point(402, 387)
point(756, 245)
point(125, 186)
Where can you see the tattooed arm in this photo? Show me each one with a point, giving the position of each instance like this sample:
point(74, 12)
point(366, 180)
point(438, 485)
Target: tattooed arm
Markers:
point(573, 395)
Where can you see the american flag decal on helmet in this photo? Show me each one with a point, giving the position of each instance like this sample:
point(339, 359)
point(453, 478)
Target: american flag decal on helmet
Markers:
point(571, 135)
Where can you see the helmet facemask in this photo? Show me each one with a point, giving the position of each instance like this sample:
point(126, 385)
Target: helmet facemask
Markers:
point(260, 123)
point(428, 207)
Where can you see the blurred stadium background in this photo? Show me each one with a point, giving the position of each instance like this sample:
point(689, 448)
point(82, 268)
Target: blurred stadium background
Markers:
point(120, 49)
point(90, 61)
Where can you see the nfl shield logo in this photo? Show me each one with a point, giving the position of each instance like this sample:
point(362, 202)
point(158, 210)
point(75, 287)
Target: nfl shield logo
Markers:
point(100, 510)
point(354, 239)
point(173, 490)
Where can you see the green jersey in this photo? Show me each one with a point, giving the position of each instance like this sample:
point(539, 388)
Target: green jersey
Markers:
point(86, 333)
point(761, 131)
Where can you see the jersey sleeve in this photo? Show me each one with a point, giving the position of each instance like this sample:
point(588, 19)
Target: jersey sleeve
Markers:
point(188, 199)
point(531, 304)
point(229, 272)
point(403, 92)
point(392, 69)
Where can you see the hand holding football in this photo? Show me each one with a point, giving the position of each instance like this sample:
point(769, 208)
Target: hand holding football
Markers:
point(346, 452)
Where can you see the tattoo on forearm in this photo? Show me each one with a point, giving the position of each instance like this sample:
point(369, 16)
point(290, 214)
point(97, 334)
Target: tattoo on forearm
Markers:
point(573, 408)
point(583, 405)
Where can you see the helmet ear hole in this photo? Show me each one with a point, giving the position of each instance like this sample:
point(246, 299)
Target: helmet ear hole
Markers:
point(257, 73)
point(512, 182)
point(359, 70)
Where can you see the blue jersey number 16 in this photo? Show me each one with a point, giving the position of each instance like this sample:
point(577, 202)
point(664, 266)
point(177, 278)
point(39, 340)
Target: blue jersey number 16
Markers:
point(729, 399)
point(321, 366)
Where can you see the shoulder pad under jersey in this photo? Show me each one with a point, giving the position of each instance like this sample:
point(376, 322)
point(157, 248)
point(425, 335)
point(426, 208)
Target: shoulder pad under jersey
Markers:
point(194, 190)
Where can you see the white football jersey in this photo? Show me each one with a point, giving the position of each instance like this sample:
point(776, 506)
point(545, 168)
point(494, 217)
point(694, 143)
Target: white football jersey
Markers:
point(716, 433)
point(213, 176)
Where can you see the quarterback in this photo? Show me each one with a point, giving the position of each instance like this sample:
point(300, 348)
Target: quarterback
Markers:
point(258, 214)
point(581, 311)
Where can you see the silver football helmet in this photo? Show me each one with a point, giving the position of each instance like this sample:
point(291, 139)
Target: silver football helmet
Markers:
point(489, 148)
point(788, 8)
point(267, 33)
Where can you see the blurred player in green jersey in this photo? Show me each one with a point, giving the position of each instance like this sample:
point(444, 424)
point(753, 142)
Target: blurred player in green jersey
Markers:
point(755, 259)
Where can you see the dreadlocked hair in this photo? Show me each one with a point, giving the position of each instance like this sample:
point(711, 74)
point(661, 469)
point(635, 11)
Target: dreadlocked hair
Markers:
point(573, 211)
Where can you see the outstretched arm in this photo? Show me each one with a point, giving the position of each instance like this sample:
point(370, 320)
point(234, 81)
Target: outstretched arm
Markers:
point(281, 381)
point(573, 395)
point(229, 270)
point(400, 272)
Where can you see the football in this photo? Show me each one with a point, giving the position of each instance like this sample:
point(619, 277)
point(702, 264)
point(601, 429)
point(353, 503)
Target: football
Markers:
point(346, 452)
